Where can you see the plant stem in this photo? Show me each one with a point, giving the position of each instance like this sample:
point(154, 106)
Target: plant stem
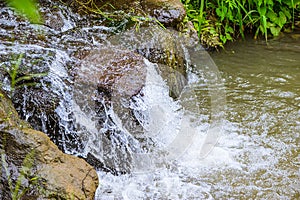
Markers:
point(200, 20)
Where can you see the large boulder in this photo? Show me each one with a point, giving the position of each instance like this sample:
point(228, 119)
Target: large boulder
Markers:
point(49, 172)
point(121, 72)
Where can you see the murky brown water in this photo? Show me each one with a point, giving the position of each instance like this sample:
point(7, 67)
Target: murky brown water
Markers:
point(263, 108)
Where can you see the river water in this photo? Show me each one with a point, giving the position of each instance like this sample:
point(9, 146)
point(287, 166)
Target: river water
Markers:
point(257, 154)
point(263, 108)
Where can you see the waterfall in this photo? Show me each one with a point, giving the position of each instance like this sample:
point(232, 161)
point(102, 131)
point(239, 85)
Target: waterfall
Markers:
point(140, 139)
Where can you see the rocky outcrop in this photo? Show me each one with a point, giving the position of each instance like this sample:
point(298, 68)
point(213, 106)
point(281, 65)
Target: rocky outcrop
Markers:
point(55, 174)
point(168, 12)
point(87, 92)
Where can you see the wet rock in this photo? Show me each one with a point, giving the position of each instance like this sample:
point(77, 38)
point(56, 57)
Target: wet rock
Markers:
point(168, 12)
point(104, 85)
point(38, 106)
point(118, 71)
point(37, 99)
point(53, 17)
point(164, 47)
point(35, 105)
point(57, 175)
point(174, 79)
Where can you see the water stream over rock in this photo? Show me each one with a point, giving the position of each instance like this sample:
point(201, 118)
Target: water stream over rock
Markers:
point(145, 107)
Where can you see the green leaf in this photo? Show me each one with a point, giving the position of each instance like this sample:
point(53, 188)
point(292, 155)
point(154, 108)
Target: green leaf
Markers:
point(272, 15)
point(275, 30)
point(230, 15)
point(286, 12)
point(229, 29)
point(281, 19)
point(34, 178)
point(30, 76)
point(223, 39)
point(26, 7)
point(263, 26)
point(221, 12)
point(262, 10)
point(259, 2)
point(270, 3)
point(228, 37)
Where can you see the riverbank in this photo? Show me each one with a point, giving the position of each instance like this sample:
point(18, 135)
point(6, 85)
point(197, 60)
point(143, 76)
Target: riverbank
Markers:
point(218, 22)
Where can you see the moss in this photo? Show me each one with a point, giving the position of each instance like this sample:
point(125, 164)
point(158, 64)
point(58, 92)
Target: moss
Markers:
point(8, 114)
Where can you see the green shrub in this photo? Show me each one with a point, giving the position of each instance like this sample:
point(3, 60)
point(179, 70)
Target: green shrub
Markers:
point(228, 19)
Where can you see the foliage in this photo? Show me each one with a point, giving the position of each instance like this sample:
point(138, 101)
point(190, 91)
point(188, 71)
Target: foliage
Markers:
point(227, 19)
point(133, 17)
point(27, 8)
point(17, 187)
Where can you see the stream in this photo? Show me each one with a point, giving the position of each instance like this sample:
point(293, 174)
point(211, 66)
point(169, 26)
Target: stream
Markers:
point(257, 154)
point(233, 131)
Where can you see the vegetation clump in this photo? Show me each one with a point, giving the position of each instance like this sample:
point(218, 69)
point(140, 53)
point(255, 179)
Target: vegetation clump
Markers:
point(26, 181)
point(219, 21)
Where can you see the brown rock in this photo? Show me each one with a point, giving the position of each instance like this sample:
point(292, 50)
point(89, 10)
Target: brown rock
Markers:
point(107, 79)
point(120, 72)
point(163, 47)
point(60, 176)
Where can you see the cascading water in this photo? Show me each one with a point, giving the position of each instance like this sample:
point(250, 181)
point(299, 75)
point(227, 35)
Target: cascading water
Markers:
point(90, 122)
point(181, 132)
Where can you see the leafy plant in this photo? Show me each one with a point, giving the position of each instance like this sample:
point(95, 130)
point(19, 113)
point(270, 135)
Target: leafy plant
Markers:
point(228, 19)
point(138, 20)
point(90, 6)
point(18, 79)
point(27, 8)
point(17, 190)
